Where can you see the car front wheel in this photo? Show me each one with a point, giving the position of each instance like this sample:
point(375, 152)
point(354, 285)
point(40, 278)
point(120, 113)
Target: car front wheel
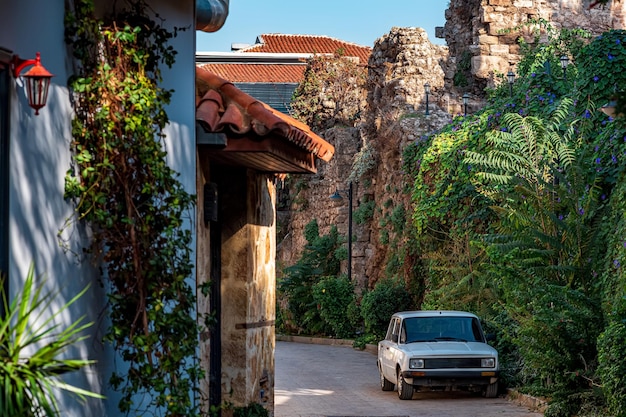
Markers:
point(385, 384)
point(491, 390)
point(405, 390)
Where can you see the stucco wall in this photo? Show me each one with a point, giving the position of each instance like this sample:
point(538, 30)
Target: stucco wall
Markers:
point(39, 158)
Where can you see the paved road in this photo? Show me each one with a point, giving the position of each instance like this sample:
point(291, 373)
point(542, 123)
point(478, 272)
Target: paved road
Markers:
point(338, 381)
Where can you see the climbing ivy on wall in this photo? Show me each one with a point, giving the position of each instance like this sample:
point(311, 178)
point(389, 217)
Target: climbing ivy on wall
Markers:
point(134, 203)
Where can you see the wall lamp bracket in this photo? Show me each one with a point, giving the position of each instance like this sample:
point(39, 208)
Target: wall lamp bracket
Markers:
point(37, 80)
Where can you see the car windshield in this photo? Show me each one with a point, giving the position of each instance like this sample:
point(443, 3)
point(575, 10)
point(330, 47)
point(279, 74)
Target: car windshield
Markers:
point(441, 328)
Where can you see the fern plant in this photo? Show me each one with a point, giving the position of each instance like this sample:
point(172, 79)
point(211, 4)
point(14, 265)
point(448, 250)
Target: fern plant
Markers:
point(535, 174)
point(535, 177)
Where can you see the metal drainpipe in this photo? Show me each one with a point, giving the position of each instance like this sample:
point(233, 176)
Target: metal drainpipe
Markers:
point(211, 14)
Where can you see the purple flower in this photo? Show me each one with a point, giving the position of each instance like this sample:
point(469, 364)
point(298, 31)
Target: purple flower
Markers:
point(611, 57)
point(617, 41)
point(533, 75)
point(587, 114)
point(581, 211)
point(614, 159)
point(560, 217)
point(596, 79)
point(603, 197)
point(616, 263)
point(598, 160)
point(624, 243)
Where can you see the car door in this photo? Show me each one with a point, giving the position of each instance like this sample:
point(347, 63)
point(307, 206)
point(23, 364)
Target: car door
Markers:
point(387, 349)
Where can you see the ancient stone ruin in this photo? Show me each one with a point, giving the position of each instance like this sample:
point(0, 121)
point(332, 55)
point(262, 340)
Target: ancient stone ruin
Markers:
point(478, 50)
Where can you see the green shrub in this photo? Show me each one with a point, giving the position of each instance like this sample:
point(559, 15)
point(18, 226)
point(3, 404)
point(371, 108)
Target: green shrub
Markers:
point(251, 410)
point(333, 296)
point(612, 366)
point(321, 257)
point(364, 212)
point(377, 306)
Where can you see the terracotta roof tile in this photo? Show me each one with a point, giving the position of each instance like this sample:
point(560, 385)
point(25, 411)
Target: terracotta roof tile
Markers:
point(257, 73)
point(222, 107)
point(313, 44)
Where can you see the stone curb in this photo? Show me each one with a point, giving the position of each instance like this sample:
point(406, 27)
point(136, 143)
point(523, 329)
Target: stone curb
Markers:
point(324, 341)
point(532, 403)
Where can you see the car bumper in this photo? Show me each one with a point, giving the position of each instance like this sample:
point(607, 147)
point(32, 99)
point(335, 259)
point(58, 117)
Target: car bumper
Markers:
point(435, 378)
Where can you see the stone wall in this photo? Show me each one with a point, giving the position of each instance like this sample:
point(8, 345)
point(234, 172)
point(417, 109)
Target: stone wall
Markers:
point(402, 61)
point(477, 28)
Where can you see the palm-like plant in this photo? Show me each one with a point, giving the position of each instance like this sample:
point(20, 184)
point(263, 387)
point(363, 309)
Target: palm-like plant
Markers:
point(30, 344)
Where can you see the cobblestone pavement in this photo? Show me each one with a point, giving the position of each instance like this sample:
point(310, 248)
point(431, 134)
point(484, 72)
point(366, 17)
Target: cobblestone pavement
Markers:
point(338, 381)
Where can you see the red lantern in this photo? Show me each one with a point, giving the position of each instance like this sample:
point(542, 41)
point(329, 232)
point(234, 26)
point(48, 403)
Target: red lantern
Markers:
point(37, 80)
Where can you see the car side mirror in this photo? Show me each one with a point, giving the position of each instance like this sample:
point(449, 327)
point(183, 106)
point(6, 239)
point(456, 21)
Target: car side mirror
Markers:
point(394, 338)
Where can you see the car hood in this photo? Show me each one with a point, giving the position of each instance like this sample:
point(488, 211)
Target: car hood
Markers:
point(449, 349)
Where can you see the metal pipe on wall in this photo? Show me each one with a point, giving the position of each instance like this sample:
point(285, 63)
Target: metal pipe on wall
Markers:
point(211, 14)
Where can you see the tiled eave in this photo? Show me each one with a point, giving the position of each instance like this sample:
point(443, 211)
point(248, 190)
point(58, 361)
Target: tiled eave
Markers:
point(254, 134)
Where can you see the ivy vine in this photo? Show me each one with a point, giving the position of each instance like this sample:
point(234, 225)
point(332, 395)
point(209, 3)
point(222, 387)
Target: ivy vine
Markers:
point(134, 203)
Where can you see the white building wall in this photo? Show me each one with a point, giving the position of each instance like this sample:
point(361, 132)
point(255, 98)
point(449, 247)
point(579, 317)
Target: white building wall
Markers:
point(39, 158)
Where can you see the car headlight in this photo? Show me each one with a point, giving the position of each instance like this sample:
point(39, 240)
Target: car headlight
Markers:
point(488, 363)
point(416, 363)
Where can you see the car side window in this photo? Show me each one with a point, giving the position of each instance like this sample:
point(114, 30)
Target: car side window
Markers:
point(402, 338)
point(394, 330)
point(392, 323)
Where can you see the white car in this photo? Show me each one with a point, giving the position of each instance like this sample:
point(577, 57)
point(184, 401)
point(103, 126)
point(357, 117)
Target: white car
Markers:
point(435, 350)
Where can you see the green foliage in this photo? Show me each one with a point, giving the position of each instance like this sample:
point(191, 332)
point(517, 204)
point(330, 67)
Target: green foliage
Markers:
point(30, 346)
point(378, 305)
point(320, 259)
point(364, 163)
point(334, 297)
point(251, 410)
point(365, 211)
point(601, 63)
point(463, 67)
point(612, 367)
point(122, 185)
point(331, 92)
point(518, 215)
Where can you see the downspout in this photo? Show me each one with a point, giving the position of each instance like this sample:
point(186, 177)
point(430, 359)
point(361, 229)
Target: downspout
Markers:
point(211, 14)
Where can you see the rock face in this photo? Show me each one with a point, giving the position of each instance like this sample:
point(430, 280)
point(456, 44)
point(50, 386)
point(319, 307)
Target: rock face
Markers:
point(369, 153)
point(477, 29)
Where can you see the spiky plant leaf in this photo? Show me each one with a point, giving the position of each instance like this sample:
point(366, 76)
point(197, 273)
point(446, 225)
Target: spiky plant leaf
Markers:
point(30, 349)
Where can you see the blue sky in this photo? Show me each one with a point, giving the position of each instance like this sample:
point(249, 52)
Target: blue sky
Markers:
point(358, 21)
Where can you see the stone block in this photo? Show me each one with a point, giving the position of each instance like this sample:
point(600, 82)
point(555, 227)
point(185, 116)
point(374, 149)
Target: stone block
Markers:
point(499, 50)
point(504, 3)
point(488, 40)
point(524, 3)
point(485, 66)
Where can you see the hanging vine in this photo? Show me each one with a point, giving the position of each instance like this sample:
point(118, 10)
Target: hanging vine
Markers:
point(136, 206)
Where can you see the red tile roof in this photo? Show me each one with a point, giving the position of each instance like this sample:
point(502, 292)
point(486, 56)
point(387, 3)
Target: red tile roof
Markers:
point(222, 107)
point(286, 72)
point(312, 44)
point(257, 73)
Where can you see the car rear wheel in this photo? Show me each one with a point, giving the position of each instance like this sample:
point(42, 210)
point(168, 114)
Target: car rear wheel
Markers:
point(405, 390)
point(491, 390)
point(385, 384)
